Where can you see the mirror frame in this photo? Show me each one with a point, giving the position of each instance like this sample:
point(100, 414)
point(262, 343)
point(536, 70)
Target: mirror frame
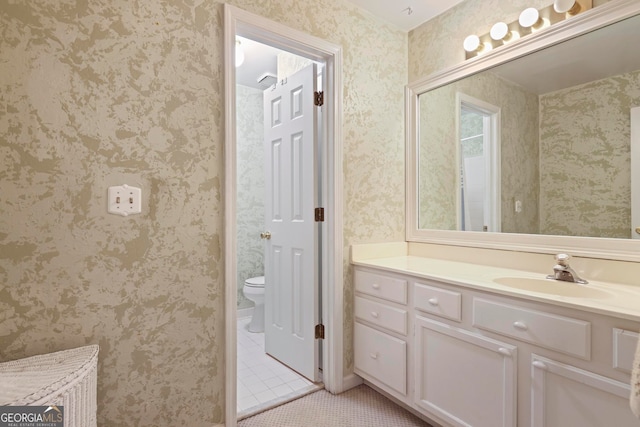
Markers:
point(591, 247)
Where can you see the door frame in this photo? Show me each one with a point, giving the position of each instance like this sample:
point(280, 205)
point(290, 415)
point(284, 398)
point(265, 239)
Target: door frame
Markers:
point(635, 171)
point(246, 24)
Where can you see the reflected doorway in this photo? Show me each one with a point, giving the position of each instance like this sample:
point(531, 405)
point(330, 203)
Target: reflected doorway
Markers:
point(479, 165)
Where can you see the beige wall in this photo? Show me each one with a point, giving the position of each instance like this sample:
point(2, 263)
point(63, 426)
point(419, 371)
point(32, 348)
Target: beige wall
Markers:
point(106, 92)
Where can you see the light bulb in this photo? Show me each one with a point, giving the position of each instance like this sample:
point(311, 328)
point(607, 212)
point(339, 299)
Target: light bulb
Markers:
point(499, 31)
point(529, 18)
point(471, 43)
point(566, 6)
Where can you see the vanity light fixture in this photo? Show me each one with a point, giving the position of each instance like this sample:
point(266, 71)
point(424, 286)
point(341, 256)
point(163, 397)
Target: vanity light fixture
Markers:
point(529, 21)
point(570, 7)
point(530, 18)
point(239, 53)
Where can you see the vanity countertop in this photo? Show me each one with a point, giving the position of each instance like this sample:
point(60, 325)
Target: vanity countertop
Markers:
point(611, 299)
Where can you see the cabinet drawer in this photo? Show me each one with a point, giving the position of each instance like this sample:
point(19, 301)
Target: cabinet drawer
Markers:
point(382, 315)
point(559, 333)
point(381, 357)
point(438, 301)
point(624, 349)
point(380, 286)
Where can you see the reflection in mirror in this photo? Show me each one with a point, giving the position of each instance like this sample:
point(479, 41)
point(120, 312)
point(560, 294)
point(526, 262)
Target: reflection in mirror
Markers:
point(518, 150)
point(479, 167)
point(564, 151)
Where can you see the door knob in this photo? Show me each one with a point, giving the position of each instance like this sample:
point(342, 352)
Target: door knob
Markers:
point(265, 235)
point(637, 230)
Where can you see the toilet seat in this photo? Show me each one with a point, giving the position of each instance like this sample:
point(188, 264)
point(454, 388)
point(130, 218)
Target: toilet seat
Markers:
point(255, 282)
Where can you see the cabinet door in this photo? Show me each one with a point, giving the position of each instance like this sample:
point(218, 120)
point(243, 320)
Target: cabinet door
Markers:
point(380, 358)
point(464, 378)
point(566, 396)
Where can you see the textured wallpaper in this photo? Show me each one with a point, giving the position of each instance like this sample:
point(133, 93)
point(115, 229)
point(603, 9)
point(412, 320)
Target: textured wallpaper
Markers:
point(100, 93)
point(585, 158)
point(250, 186)
point(105, 92)
point(519, 144)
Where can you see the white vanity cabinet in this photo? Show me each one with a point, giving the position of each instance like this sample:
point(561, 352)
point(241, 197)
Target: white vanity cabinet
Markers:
point(465, 356)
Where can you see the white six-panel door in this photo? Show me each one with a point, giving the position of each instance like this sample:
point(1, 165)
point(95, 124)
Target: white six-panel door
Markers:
point(291, 279)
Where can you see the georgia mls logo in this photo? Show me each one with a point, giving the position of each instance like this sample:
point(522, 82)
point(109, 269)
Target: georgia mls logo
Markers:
point(54, 408)
point(31, 416)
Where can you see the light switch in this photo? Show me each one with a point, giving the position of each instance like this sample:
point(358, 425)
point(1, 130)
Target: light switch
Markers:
point(124, 200)
point(518, 206)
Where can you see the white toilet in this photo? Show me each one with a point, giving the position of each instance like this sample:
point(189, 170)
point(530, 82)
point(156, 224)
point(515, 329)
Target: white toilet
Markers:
point(254, 290)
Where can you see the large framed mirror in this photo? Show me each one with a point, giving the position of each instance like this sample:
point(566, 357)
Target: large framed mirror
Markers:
point(529, 147)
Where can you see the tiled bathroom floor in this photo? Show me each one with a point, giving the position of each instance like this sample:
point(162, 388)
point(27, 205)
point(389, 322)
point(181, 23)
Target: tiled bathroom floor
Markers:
point(262, 381)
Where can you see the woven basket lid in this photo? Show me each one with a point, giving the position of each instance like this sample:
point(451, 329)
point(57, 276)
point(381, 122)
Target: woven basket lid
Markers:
point(29, 379)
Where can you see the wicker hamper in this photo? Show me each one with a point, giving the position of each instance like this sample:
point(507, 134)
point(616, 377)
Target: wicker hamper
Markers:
point(66, 378)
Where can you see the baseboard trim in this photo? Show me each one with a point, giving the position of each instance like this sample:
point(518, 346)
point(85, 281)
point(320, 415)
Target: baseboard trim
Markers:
point(351, 381)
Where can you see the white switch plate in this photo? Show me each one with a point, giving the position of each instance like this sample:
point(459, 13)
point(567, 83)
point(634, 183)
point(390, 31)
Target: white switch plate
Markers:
point(124, 200)
point(518, 206)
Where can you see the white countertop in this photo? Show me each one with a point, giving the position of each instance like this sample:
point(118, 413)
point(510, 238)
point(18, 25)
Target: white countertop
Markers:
point(612, 299)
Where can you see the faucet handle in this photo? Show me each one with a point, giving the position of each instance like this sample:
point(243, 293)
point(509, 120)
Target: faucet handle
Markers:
point(563, 259)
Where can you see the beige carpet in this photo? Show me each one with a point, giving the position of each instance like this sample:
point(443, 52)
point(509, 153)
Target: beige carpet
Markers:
point(358, 407)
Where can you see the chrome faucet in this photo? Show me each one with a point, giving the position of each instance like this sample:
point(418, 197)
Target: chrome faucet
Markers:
point(562, 271)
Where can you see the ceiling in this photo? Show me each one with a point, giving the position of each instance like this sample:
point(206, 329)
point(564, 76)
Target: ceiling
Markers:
point(261, 59)
point(397, 13)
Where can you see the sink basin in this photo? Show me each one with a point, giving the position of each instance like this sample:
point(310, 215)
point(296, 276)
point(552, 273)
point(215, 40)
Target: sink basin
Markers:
point(553, 287)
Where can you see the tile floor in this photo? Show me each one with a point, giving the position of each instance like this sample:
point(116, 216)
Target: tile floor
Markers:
point(263, 380)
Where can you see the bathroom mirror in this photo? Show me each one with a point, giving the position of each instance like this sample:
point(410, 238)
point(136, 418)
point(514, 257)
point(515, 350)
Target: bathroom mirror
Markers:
point(549, 154)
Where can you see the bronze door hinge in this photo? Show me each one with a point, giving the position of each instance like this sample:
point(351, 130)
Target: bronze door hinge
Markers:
point(320, 331)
